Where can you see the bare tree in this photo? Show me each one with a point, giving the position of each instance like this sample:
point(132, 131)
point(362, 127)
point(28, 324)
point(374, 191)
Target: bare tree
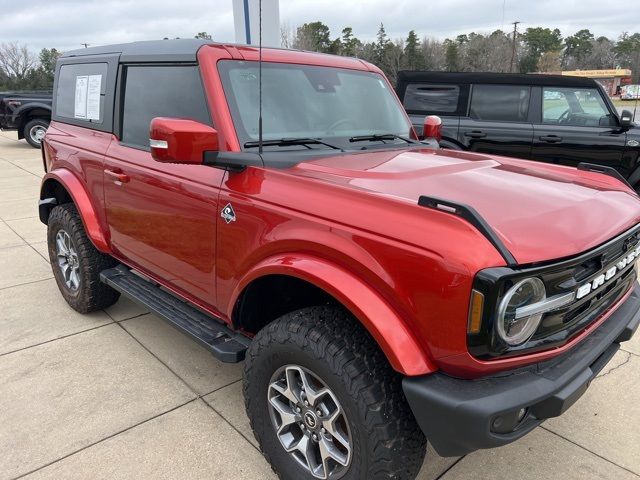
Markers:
point(393, 59)
point(601, 56)
point(434, 53)
point(287, 37)
point(16, 61)
point(485, 53)
point(550, 62)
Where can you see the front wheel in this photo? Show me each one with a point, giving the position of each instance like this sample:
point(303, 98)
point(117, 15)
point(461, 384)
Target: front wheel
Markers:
point(76, 263)
point(34, 131)
point(324, 403)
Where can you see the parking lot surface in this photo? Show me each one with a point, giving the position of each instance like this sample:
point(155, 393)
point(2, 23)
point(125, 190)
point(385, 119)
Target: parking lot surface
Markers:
point(119, 394)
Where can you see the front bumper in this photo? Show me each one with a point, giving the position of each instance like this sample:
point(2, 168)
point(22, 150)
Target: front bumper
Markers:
point(460, 416)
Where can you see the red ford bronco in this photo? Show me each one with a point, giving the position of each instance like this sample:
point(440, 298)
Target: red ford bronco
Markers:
point(382, 292)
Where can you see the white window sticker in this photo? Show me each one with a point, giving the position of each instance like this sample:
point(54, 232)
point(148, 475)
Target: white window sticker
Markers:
point(80, 110)
point(87, 104)
point(93, 97)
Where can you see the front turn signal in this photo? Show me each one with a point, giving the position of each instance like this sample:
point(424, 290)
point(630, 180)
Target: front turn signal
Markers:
point(476, 307)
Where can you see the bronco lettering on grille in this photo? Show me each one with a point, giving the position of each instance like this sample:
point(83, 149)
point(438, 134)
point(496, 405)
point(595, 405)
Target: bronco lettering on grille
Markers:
point(608, 274)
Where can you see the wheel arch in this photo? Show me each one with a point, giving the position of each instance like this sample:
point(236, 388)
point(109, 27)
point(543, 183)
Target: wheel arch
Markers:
point(29, 113)
point(62, 186)
point(328, 282)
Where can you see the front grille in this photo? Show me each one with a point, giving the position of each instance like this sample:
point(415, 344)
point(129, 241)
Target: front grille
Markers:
point(558, 326)
point(562, 324)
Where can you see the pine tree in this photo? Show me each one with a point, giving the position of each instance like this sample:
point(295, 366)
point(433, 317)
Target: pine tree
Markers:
point(350, 44)
point(381, 45)
point(452, 55)
point(412, 58)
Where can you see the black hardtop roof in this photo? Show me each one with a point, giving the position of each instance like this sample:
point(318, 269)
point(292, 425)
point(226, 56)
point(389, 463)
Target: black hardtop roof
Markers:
point(182, 49)
point(406, 76)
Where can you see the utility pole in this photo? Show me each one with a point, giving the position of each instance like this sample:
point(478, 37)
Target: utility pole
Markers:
point(85, 44)
point(513, 49)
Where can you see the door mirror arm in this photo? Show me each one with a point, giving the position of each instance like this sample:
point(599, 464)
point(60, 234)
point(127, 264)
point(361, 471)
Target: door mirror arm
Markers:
point(232, 161)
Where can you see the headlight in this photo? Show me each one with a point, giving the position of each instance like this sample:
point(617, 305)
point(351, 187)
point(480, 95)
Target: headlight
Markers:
point(516, 329)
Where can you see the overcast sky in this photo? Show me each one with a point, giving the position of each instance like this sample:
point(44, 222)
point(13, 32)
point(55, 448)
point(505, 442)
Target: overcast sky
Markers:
point(65, 24)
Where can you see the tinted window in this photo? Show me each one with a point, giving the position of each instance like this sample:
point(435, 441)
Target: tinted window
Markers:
point(81, 91)
point(575, 106)
point(505, 103)
point(431, 98)
point(152, 91)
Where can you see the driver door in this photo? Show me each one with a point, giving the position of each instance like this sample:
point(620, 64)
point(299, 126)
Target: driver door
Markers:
point(162, 216)
point(575, 125)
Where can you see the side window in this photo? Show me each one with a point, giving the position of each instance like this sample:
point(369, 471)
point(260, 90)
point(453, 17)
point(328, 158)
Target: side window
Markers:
point(554, 105)
point(424, 98)
point(81, 91)
point(160, 91)
point(502, 103)
point(575, 107)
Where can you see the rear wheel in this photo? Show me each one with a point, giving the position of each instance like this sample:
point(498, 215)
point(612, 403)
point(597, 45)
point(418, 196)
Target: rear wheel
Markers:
point(324, 403)
point(34, 131)
point(76, 263)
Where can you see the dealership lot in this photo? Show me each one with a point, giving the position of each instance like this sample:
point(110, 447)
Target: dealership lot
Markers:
point(118, 394)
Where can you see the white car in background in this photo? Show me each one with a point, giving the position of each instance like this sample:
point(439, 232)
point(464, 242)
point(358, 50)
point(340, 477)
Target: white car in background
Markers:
point(630, 92)
point(553, 95)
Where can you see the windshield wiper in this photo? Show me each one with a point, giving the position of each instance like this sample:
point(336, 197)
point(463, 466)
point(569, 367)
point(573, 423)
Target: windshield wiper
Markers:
point(285, 142)
point(381, 136)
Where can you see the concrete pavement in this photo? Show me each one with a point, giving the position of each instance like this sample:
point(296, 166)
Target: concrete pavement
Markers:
point(119, 394)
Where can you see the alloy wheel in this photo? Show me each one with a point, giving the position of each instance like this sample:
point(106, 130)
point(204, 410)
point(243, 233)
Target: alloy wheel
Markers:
point(309, 422)
point(68, 261)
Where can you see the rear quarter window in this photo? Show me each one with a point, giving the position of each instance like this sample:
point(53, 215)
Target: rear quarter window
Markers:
point(424, 98)
point(501, 103)
point(80, 94)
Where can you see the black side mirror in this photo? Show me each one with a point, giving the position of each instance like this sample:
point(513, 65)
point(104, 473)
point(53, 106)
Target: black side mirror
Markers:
point(626, 119)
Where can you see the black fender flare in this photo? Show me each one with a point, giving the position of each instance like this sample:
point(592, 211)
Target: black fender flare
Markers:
point(23, 114)
point(634, 177)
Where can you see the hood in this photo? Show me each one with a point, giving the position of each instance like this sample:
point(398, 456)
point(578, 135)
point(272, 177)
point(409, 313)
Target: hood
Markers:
point(540, 212)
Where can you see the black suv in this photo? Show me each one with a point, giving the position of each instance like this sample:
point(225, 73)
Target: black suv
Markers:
point(551, 118)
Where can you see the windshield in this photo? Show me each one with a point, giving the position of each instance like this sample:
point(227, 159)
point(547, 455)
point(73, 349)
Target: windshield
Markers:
point(303, 101)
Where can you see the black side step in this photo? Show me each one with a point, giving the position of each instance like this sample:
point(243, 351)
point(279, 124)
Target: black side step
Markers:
point(210, 332)
point(472, 216)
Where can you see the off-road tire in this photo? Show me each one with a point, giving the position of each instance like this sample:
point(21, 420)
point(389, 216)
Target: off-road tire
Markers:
point(387, 443)
point(91, 294)
point(26, 131)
